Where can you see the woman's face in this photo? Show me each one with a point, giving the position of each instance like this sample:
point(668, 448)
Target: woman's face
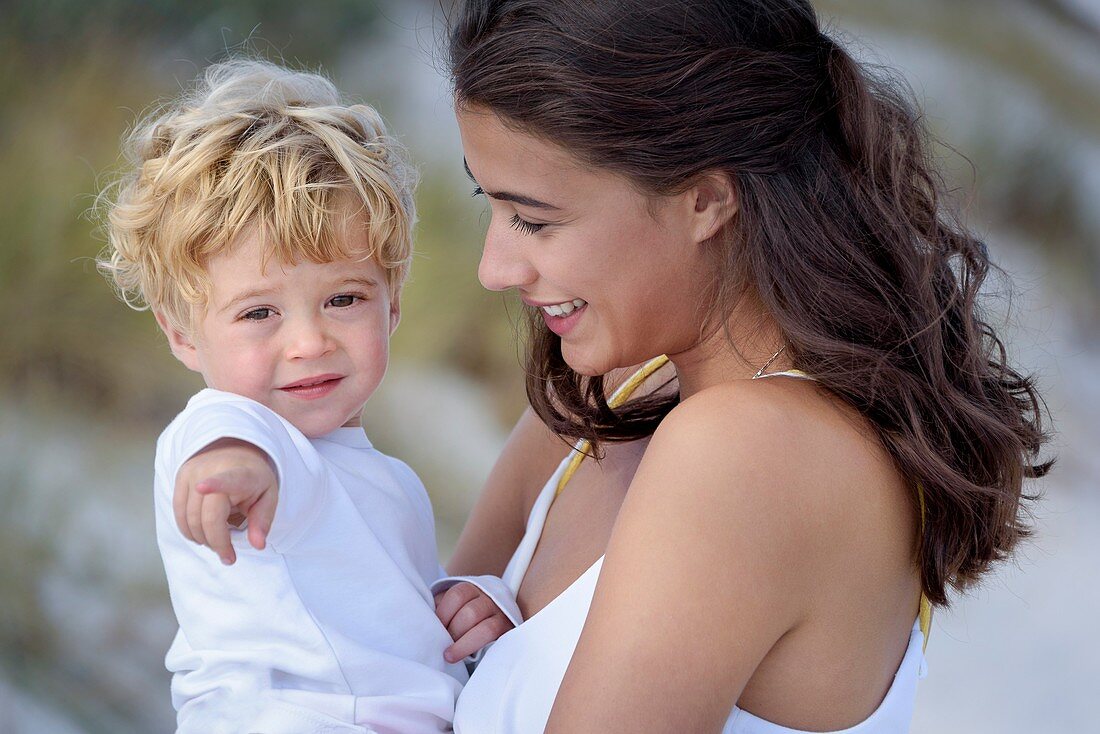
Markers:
point(618, 275)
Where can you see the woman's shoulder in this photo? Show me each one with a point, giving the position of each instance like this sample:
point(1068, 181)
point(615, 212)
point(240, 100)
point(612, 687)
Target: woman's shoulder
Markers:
point(783, 449)
point(766, 418)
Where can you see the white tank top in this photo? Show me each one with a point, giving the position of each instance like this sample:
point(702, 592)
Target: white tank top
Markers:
point(515, 684)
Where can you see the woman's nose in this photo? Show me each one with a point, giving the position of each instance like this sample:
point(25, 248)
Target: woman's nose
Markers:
point(504, 263)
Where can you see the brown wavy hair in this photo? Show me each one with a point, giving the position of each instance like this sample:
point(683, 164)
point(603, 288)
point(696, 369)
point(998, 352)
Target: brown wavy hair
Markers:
point(842, 231)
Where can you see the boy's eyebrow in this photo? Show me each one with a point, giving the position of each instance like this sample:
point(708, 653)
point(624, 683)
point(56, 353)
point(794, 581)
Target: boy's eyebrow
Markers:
point(508, 196)
point(365, 282)
point(246, 296)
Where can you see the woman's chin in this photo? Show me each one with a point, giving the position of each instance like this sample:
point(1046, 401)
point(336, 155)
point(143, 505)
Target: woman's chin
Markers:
point(593, 365)
point(585, 364)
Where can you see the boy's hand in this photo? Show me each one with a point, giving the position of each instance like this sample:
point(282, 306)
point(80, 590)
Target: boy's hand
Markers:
point(227, 480)
point(472, 618)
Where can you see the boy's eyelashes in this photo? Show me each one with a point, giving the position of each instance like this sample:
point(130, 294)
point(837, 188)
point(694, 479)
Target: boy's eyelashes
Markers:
point(256, 314)
point(345, 299)
point(339, 301)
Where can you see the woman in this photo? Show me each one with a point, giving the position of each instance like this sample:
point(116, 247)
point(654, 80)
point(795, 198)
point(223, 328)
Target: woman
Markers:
point(721, 183)
point(838, 438)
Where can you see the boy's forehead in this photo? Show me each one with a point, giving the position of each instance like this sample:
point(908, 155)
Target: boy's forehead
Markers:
point(259, 257)
point(346, 230)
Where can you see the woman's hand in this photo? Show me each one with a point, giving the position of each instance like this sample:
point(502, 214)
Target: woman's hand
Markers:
point(473, 619)
point(229, 481)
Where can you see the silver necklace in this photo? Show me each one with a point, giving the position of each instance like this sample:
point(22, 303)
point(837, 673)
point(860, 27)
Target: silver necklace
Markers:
point(768, 364)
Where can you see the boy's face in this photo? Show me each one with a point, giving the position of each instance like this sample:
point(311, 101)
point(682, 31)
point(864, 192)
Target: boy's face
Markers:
point(310, 341)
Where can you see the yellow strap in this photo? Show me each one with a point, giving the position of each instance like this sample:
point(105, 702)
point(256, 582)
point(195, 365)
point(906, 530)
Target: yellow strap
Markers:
point(623, 393)
point(620, 396)
point(925, 613)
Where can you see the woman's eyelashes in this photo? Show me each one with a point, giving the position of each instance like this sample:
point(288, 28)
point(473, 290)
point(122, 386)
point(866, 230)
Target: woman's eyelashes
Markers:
point(517, 222)
point(524, 226)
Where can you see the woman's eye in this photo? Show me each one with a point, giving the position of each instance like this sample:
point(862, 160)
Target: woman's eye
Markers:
point(524, 226)
point(257, 314)
point(477, 191)
point(343, 301)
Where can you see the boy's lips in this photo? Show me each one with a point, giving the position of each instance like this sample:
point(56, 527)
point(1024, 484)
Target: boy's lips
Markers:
point(313, 387)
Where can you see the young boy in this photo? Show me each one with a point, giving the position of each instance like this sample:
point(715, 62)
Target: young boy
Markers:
point(267, 225)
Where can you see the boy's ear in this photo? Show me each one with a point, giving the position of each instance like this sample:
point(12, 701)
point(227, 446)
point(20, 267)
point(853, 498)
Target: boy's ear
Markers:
point(714, 202)
point(181, 343)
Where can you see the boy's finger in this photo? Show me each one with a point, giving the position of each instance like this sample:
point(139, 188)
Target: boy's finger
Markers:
point(470, 615)
point(215, 512)
point(238, 484)
point(260, 517)
point(179, 505)
point(454, 599)
point(482, 634)
point(194, 517)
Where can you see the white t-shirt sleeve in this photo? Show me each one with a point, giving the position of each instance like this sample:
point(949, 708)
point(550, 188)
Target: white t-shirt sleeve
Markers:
point(302, 480)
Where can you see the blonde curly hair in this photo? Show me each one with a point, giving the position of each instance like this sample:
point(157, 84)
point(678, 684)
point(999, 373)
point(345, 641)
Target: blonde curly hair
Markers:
point(252, 145)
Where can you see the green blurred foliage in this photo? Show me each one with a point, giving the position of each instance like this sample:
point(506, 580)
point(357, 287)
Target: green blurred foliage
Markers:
point(56, 29)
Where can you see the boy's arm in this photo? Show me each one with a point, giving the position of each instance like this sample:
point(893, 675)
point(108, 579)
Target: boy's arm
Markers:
point(229, 453)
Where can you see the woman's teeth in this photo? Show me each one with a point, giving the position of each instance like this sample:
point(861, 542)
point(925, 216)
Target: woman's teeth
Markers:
point(564, 309)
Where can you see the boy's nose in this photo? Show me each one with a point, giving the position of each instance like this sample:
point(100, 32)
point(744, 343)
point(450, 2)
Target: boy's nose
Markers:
point(503, 263)
point(308, 339)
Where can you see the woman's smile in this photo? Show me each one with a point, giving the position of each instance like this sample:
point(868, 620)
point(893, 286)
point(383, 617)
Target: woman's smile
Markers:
point(562, 319)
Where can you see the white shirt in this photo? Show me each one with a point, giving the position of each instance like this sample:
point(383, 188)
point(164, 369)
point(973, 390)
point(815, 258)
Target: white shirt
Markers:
point(332, 627)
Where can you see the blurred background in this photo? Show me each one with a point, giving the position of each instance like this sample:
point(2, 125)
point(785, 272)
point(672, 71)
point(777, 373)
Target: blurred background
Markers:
point(86, 385)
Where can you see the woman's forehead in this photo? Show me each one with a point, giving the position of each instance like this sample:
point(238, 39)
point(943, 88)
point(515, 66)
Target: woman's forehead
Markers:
point(509, 163)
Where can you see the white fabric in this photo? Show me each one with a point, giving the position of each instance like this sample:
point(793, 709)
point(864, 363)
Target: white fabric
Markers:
point(513, 688)
point(332, 627)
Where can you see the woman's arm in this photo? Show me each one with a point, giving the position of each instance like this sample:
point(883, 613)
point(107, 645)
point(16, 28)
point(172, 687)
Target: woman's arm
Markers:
point(497, 522)
point(707, 567)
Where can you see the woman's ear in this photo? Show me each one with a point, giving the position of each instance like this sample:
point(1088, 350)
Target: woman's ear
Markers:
point(714, 200)
point(182, 344)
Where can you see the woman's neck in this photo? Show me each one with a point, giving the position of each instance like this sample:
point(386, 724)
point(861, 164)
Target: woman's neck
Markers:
point(736, 353)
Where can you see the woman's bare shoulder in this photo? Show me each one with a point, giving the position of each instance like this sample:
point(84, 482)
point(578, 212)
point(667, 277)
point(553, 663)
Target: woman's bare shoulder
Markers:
point(821, 463)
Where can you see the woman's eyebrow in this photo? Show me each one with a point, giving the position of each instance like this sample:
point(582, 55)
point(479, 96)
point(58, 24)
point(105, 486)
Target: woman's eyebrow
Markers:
point(508, 196)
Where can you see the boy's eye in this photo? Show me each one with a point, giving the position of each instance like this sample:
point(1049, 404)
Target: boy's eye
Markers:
point(343, 301)
point(257, 314)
